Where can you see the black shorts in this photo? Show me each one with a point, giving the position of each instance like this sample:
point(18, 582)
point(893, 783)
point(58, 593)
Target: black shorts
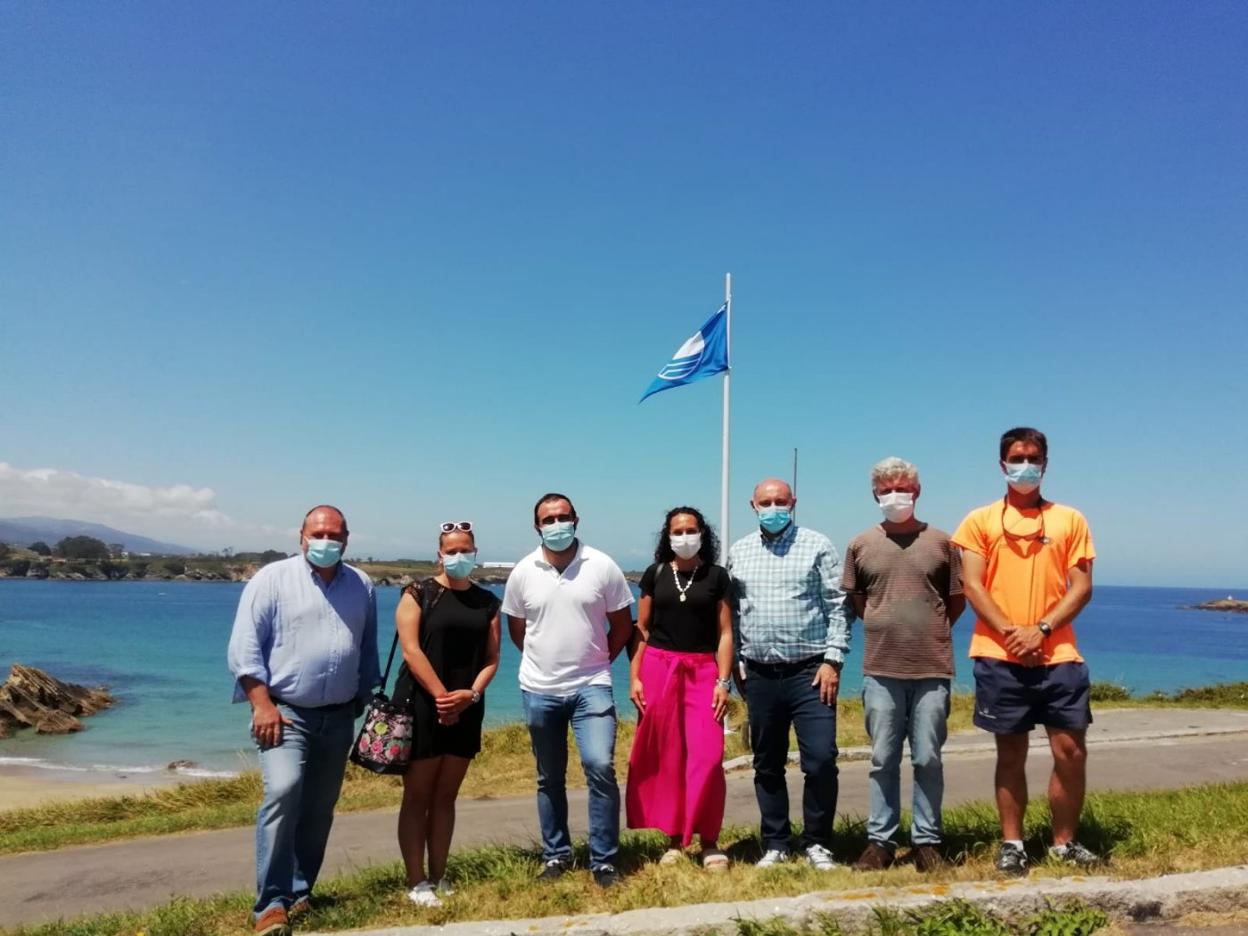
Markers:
point(1012, 699)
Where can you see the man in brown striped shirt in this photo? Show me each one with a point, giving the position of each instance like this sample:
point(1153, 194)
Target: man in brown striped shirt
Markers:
point(904, 578)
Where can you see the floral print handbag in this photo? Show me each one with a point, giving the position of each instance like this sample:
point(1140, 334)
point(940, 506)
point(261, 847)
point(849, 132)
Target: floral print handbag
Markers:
point(384, 744)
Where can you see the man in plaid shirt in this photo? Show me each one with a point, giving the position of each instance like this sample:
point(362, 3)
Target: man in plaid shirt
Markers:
point(792, 634)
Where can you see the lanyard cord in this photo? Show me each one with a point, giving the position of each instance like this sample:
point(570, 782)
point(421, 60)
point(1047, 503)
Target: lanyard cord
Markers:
point(1042, 540)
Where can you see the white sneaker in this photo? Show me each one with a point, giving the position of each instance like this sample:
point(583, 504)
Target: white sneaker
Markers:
point(424, 895)
point(772, 857)
point(820, 858)
point(444, 888)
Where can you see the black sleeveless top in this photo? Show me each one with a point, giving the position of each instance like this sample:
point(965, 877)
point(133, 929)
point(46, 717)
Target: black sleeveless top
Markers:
point(454, 635)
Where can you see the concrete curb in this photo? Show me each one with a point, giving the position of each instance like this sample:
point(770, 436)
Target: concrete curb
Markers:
point(1165, 898)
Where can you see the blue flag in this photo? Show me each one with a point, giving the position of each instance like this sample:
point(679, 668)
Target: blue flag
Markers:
point(703, 355)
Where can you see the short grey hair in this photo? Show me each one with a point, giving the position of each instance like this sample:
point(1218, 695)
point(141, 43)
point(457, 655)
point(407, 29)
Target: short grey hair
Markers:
point(893, 469)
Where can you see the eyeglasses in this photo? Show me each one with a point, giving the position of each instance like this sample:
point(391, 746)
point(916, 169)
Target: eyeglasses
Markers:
point(464, 526)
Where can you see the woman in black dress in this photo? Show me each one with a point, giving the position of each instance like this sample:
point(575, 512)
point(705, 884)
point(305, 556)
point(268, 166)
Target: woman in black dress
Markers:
point(448, 627)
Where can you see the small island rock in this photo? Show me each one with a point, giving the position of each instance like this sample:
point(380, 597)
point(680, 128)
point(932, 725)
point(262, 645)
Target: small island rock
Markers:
point(1224, 604)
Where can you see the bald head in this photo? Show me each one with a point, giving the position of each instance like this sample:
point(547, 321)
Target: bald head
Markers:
point(324, 521)
point(773, 492)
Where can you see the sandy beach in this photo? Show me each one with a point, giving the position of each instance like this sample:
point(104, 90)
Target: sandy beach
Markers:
point(33, 786)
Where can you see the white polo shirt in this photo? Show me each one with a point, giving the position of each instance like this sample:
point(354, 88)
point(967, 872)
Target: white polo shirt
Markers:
point(565, 619)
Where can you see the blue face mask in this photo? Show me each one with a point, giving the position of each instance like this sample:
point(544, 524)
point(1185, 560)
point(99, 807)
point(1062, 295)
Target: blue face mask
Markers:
point(559, 536)
point(1023, 477)
point(324, 553)
point(774, 519)
point(459, 565)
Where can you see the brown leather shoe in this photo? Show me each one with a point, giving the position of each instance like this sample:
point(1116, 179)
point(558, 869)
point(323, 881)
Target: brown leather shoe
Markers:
point(927, 858)
point(273, 922)
point(875, 857)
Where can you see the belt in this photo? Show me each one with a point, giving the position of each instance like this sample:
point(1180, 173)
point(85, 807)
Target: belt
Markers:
point(786, 668)
point(335, 707)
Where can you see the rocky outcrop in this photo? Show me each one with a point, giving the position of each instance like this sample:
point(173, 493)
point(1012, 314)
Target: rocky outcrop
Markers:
point(30, 698)
point(1224, 604)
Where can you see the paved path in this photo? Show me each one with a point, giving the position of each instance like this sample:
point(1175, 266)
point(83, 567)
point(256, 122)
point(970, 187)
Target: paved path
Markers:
point(1130, 749)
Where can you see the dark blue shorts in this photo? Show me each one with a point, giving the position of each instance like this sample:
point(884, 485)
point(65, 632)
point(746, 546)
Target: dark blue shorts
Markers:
point(1013, 699)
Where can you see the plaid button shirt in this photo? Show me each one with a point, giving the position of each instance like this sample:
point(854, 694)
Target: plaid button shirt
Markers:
point(789, 602)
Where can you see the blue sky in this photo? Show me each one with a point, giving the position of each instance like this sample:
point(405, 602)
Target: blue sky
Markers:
point(422, 259)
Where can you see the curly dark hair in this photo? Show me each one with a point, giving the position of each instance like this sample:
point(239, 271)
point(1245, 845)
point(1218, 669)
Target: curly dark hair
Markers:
point(709, 553)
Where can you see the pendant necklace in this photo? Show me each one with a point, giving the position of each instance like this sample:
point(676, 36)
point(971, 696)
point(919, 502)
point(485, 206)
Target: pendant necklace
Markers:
point(676, 578)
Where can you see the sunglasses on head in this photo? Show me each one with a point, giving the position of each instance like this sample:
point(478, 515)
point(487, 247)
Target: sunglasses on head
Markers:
point(464, 526)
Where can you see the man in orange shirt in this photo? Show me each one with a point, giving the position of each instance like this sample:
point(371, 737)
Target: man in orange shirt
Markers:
point(1027, 572)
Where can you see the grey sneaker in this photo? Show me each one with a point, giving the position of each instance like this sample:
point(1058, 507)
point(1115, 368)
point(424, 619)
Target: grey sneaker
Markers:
point(1012, 860)
point(772, 857)
point(554, 869)
point(1072, 853)
point(606, 876)
point(820, 858)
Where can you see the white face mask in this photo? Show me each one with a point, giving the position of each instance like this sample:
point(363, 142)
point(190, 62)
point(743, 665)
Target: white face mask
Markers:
point(686, 545)
point(897, 506)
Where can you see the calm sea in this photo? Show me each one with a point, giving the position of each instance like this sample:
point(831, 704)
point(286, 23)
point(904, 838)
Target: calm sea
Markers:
point(160, 646)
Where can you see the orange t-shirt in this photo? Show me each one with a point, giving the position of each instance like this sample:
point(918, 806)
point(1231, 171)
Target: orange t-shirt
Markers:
point(1026, 576)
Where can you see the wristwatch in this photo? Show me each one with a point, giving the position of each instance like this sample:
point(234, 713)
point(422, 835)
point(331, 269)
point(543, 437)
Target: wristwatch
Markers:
point(1045, 628)
point(476, 697)
point(725, 684)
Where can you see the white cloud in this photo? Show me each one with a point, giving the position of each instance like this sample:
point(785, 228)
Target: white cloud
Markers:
point(179, 509)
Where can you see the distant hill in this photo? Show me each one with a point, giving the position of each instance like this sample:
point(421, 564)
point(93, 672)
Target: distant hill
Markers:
point(22, 531)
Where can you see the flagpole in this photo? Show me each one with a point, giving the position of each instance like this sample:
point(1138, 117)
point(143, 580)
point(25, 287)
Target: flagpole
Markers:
point(725, 536)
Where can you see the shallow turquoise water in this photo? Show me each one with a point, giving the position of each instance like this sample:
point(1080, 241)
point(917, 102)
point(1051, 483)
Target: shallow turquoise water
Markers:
point(161, 647)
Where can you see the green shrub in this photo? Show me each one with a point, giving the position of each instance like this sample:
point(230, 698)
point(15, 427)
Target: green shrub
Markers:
point(1109, 692)
point(16, 566)
point(82, 547)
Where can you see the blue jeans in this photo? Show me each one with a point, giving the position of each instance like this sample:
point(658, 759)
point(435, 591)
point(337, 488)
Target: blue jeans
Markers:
point(779, 696)
point(897, 710)
point(302, 779)
point(591, 713)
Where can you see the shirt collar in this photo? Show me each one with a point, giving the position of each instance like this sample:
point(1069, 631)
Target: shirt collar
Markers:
point(787, 536)
point(316, 575)
point(539, 556)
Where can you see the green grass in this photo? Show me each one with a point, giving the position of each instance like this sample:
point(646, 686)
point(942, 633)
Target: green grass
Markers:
point(1143, 834)
point(504, 768)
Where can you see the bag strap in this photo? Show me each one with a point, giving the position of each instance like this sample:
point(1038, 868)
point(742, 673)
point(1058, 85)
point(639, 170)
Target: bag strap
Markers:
point(421, 592)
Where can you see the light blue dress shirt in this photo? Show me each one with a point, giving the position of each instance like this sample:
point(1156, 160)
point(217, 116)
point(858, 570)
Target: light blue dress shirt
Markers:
point(311, 643)
point(789, 602)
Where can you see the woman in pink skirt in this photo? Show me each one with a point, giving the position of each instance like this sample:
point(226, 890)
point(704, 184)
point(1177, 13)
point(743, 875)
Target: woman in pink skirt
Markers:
point(680, 680)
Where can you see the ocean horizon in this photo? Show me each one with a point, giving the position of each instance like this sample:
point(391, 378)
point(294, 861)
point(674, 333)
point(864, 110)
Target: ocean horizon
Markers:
point(160, 648)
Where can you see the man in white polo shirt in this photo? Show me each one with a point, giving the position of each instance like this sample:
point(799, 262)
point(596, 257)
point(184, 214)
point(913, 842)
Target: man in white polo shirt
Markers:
point(568, 612)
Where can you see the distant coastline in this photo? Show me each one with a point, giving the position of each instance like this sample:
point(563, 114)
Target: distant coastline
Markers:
point(183, 569)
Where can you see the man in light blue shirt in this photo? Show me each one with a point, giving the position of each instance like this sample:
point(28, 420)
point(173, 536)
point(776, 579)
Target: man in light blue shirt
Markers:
point(793, 634)
point(304, 654)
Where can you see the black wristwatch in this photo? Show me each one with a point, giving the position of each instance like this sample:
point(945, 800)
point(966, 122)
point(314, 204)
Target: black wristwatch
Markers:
point(1045, 628)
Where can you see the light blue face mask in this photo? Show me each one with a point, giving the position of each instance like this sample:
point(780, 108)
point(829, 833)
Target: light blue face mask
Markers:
point(559, 536)
point(459, 565)
point(1023, 477)
point(774, 519)
point(324, 553)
